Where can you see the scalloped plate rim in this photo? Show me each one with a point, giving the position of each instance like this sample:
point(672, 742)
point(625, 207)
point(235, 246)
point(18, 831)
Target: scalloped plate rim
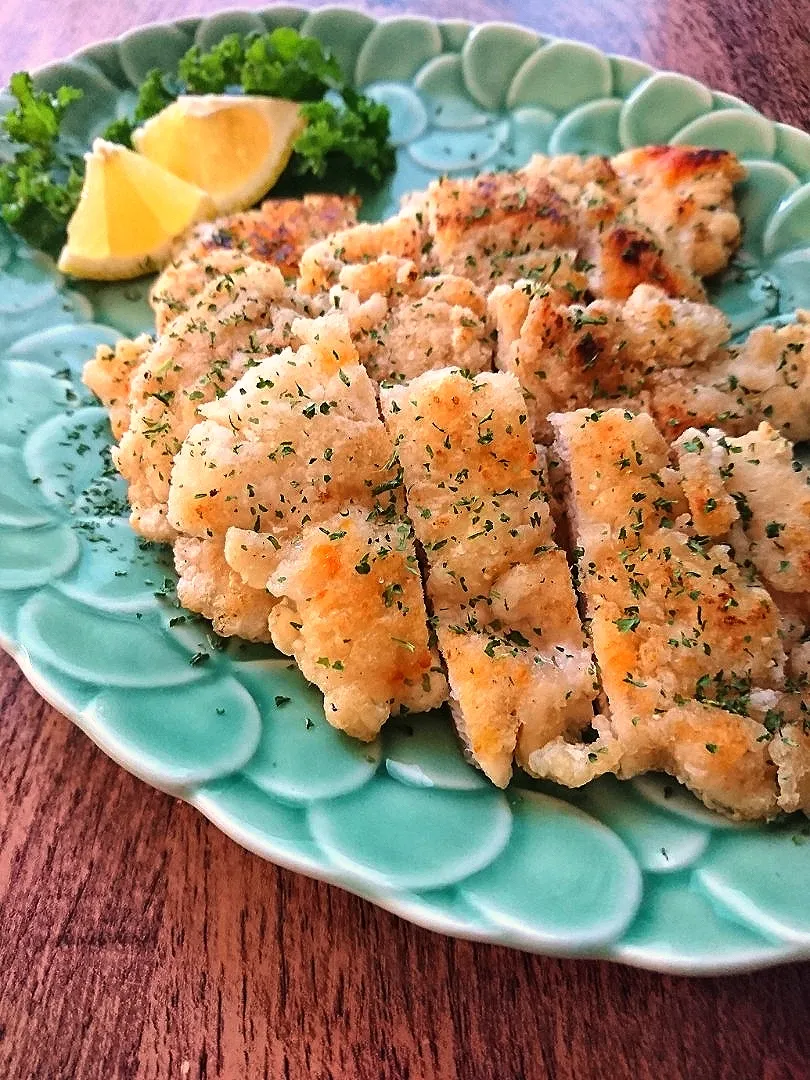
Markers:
point(543, 39)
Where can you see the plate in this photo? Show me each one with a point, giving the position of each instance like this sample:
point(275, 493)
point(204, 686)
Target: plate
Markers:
point(637, 872)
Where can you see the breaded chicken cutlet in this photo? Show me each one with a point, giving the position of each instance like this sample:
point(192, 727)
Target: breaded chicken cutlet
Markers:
point(761, 496)
point(405, 323)
point(294, 465)
point(683, 194)
point(402, 236)
point(371, 656)
point(766, 378)
point(653, 353)
point(500, 589)
point(231, 325)
point(688, 643)
point(569, 356)
point(251, 439)
point(275, 233)
point(658, 215)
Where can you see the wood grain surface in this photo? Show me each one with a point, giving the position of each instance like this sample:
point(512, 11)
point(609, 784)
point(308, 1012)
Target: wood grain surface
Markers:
point(136, 941)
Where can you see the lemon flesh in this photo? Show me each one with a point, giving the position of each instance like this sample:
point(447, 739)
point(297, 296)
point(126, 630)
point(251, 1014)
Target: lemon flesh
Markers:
point(129, 212)
point(234, 148)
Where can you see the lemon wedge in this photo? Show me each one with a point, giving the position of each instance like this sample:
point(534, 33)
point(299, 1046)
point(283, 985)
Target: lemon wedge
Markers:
point(129, 212)
point(234, 148)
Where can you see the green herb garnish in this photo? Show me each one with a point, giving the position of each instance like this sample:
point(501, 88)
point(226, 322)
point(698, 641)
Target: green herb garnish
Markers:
point(41, 178)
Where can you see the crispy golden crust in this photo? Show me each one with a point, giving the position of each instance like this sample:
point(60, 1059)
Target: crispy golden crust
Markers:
point(276, 233)
point(231, 324)
point(629, 473)
point(184, 278)
point(776, 513)
point(405, 323)
point(207, 585)
point(470, 475)
point(688, 647)
point(499, 587)
point(286, 477)
point(321, 263)
point(109, 374)
point(627, 256)
point(569, 356)
point(765, 493)
point(762, 498)
point(297, 438)
point(768, 378)
point(702, 460)
point(589, 183)
point(657, 215)
point(295, 445)
point(684, 194)
point(481, 226)
point(372, 656)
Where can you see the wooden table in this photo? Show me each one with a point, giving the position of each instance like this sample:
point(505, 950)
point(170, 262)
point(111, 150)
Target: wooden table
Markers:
point(137, 941)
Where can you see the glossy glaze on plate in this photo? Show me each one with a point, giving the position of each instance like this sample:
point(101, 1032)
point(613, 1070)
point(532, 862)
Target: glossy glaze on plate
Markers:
point(639, 871)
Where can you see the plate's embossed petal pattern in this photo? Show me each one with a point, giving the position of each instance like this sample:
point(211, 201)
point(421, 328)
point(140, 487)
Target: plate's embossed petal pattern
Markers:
point(659, 108)
point(567, 904)
point(179, 736)
point(20, 500)
point(396, 49)
point(33, 558)
point(30, 395)
point(90, 645)
point(661, 842)
point(744, 133)
point(424, 752)
point(491, 57)
point(766, 884)
point(63, 453)
point(640, 872)
point(411, 837)
point(560, 76)
point(591, 128)
point(789, 226)
point(299, 757)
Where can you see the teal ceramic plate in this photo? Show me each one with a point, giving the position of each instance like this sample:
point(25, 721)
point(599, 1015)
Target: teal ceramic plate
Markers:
point(637, 872)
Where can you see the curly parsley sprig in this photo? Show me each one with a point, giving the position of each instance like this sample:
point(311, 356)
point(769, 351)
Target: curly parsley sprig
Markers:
point(42, 175)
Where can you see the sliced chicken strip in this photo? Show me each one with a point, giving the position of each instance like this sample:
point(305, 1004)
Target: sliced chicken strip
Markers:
point(297, 448)
point(405, 323)
point(276, 233)
point(402, 236)
point(500, 588)
point(688, 647)
point(769, 530)
point(684, 194)
point(769, 490)
point(767, 378)
point(208, 586)
point(353, 615)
